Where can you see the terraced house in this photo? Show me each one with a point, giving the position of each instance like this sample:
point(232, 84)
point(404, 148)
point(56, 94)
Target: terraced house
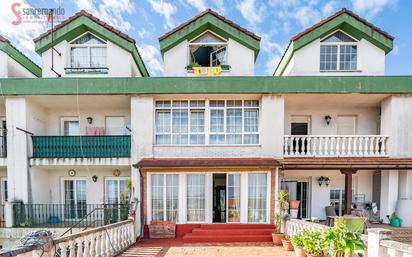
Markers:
point(91, 136)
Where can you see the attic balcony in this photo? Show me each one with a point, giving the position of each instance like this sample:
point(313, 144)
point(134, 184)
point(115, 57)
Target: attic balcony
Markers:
point(335, 146)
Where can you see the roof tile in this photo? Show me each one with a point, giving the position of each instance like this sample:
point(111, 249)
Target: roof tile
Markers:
point(95, 19)
point(220, 17)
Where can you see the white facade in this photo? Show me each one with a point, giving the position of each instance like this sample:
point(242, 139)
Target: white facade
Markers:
point(306, 61)
point(9, 68)
point(240, 59)
point(119, 62)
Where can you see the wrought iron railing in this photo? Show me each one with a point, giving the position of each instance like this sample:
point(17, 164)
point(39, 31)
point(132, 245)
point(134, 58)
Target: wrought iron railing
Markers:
point(81, 146)
point(68, 215)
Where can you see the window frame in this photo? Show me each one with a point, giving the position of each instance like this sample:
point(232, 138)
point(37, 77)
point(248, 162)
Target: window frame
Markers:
point(338, 51)
point(207, 122)
point(223, 44)
point(164, 194)
point(63, 120)
point(88, 46)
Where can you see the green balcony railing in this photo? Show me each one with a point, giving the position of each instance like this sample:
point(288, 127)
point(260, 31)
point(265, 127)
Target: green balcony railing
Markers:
point(81, 146)
point(68, 215)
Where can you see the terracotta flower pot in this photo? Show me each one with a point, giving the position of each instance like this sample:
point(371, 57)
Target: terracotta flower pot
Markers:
point(313, 255)
point(287, 245)
point(294, 204)
point(277, 238)
point(299, 252)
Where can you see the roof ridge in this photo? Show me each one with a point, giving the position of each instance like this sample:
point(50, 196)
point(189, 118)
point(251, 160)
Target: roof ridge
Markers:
point(336, 14)
point(91, 17)
point(217, 15)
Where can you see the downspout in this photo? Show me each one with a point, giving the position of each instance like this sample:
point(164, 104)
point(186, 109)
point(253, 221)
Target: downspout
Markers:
point(141, 206)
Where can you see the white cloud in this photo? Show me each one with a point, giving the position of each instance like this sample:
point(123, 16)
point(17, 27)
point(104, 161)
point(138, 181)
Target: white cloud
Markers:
point(110, 11)
point(166, 10)
point(198, 4)
point(395, 50)
point(21, 35)
point(371, 8)
point(271, 64)
point(151, 58)
point(250, 12)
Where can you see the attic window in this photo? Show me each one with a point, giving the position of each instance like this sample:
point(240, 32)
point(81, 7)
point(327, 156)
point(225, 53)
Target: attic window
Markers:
point(207, 50)
point(338, 52)
point(88, 53)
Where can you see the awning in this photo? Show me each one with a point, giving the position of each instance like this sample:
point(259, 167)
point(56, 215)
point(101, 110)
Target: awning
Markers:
point(206, 162)
point(357, 163)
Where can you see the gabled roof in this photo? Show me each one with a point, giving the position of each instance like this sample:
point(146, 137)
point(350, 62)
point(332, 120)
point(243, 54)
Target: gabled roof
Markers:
point(344, 20)
point(82, 22)
point(213, 21)
point(19, 57)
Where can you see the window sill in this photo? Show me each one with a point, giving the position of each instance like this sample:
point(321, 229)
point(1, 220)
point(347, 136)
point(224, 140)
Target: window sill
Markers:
point(86, 72)
point(225, 68)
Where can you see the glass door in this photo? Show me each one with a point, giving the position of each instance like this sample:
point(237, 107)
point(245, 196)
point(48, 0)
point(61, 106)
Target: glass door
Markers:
point(233, 198)
point(74, 199)
point(116, 199)
point(337, 199)
point(257, 197)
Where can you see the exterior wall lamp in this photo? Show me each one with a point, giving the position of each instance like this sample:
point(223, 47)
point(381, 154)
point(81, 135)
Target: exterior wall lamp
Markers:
point(94, 178)
point(328, 118)
point(322, 180)
point(89, 120)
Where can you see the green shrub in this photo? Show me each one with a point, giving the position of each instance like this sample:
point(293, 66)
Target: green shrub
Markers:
point(342, 242)
point(313, 243)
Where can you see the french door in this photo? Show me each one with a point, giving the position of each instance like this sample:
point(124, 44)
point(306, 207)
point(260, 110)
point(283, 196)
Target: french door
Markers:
point(74, 196)
point(116, 198)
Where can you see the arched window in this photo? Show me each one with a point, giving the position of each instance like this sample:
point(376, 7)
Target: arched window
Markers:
point(88, 52)
point(338, 52)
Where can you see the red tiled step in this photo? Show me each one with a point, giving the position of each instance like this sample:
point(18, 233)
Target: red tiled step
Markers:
point(190, 238)
point(225, 232)
point(237, 226)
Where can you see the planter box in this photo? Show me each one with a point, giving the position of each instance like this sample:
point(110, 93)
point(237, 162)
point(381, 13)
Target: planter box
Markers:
point(162, 229)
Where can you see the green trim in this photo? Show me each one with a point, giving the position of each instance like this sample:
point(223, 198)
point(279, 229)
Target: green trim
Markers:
point(344, 22)
point(207, 85)
point(84, 24)
point(209, 22)
point(20, 58)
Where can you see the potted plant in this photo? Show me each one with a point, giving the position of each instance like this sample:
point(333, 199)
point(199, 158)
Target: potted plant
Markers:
point(297, 242)
point(342, 242)
point(294, 204)
point(287, 245)
point(277, 235)
point(314, 244)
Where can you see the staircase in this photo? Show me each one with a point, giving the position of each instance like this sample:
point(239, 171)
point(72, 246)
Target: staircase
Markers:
point(228, 233)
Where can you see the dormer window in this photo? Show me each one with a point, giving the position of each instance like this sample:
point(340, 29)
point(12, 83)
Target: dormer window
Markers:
point(208, 50)
point(88, 53)
point(338, 52)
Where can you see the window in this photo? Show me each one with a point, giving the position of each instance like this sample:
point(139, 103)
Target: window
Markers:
point(257, 197)
point(234, 122)
point(230, 122)
point(196, 197)
point(337, 200)
point(70, 126)
point(180, 122)
point(74, 193)
point(208, 50)
point(116, 198)
point(165, 196)
point(338, 52)
point(88, 52)
point(233, 197)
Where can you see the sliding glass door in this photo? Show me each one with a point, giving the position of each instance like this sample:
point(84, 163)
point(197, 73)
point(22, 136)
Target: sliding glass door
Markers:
point(233, 197)
point(196, 197)
point(257, 197)
point(74, 198)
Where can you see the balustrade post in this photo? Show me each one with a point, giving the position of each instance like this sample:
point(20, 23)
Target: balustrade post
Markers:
point(71, 248)
point(383, 145)
point(338, 144)
point(79, 242)
point(63, 248)
point(375, 236)
point(103, 244)
point(355, 146)
point(371, 145)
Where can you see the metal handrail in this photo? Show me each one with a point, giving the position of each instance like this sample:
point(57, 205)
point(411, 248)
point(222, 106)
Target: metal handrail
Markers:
point(85, 217)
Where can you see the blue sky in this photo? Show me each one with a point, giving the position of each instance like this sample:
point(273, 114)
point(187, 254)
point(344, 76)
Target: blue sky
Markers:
point(276, 21)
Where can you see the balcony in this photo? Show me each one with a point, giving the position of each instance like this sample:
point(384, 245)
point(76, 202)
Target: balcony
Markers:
point(81, 146)
point(335, 146)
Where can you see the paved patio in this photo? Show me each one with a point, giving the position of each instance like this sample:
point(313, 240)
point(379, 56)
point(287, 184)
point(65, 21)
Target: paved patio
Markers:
point(175, 248)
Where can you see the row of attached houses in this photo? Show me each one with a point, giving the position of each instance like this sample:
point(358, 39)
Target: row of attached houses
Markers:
point(209, 142)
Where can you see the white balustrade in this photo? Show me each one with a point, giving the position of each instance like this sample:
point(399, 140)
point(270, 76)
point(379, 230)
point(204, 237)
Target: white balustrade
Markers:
point(295, 226)
point(106, 241)
point(335, 146)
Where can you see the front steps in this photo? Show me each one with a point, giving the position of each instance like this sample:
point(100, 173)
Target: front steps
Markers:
point(229, 233)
